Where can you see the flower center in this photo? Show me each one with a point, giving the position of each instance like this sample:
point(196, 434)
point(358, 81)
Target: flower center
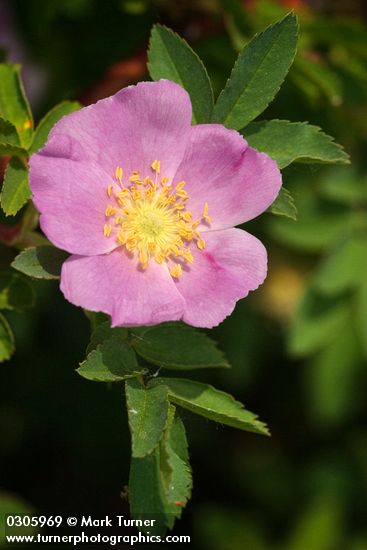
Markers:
point(149, 218)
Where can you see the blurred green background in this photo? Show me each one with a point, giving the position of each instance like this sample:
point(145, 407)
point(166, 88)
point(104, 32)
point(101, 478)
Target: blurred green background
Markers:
point(298, 345)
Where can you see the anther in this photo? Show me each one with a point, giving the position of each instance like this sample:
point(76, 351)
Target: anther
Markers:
point(107, 230)
point(119, 173)
point(156, 166)
point(176, 270)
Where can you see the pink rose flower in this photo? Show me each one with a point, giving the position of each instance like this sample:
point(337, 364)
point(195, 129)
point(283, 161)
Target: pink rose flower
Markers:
point(147, 204)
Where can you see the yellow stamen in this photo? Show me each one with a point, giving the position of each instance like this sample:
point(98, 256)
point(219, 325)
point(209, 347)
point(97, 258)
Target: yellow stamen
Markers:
point(152, 222)
point(180, 186)
point(131, 244)
point(182, 194)
point(143, 258)
point(188, 256)
point(110, 211)
point(119, 173)
point(187, 216)
point(156, 166)
point(206, 216)
point(176, 270)
point(135, 177)
point(136, 195)
point(159, 258)
point(121, 237)
point(107, 230)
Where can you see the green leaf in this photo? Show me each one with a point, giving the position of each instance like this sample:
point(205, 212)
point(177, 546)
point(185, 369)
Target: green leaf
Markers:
point(147, 408)
point(284, 205)
point(170, 57)
point(13, 103)
point(13, 150)
point(177, 346)
point(49, 120)
point(16, 191)
point(207, 401)
point(288, 142)
point(112, 361)
point(8, 133)
point(146, 494)
point(257, 74)
point(96, 318)
point(160, 483)
point(15, 292)
point(6, 340)
point(103, 332)
point(175, 466)
point(316, 321)
point(40, 262)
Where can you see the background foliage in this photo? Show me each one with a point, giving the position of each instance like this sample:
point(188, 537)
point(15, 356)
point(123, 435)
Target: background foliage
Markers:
point(298, 346)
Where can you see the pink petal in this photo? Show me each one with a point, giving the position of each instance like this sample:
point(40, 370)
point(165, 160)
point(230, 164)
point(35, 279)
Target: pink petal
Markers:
point(71, 196)
point(236, 181)
point(233, 263)
point(113, 284)
point(140, 124)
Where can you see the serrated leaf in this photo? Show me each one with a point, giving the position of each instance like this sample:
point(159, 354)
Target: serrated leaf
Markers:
point(104, 331)
point(146, 494)
point(170, 57)
point(175, 466)
point(257, 74)
point(177, 346)
point(15, 292)
point(112, 361)
point(147, 408)
point(214, 404)
point(160, 483)
point(15, 192)
point(40, 262)
point(288, 142)
point(49, 120)
point(6, 339)
point(284, 205)
point(13, 103)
